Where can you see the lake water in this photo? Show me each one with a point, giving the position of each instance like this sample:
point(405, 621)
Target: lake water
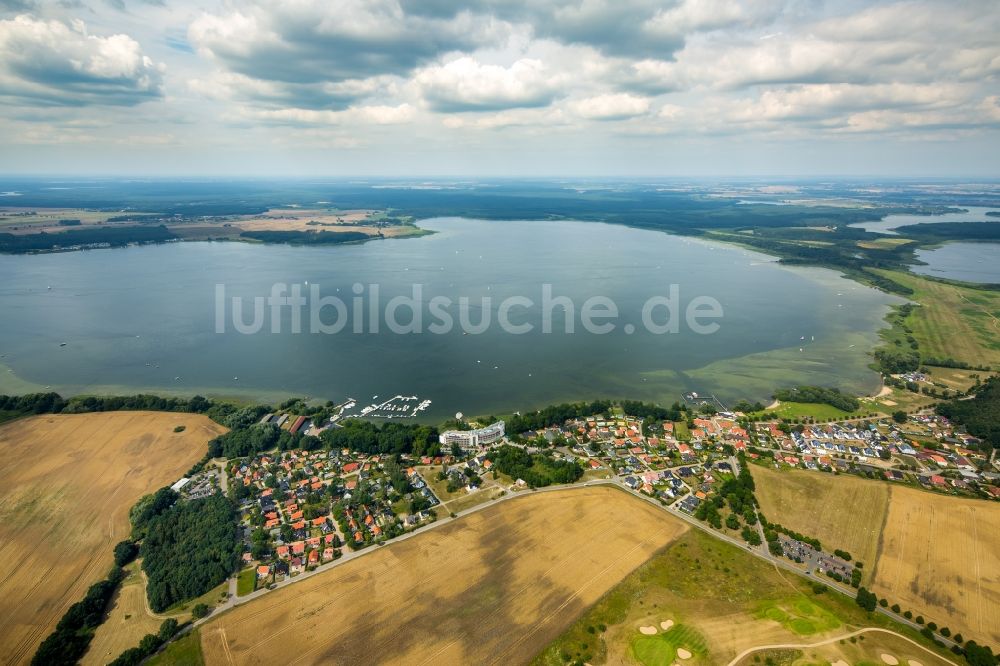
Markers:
point(890, 222)
point(969, 262)
point(144, 318)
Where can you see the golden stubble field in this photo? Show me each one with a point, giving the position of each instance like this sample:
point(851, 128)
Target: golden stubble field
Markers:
point(66, 485)
point(128, 620)
point(843, 511)
point(492, 587)
point(940, 557)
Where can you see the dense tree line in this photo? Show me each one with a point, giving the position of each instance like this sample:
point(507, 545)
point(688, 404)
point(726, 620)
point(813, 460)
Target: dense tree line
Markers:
point(189, 549)
point(819, 394)
point(945, 231)
point(53, 403)
point(125, 552)
point(113, 236)
point(307, 237)
point(866, 599)
point(650, 412)
point(897, 361)
point(980, 415)
point(32, 403)
point(537, 470)
point(244, 442)
point(72, 635)
point(368, 437)
point(555, 415)
point(149, 507)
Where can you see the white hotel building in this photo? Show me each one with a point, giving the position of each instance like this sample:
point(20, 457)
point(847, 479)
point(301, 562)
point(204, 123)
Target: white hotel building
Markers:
point(469, 440)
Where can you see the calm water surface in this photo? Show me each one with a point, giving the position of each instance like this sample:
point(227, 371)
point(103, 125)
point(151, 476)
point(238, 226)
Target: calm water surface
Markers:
point(890, 222)
point(143, 318)
point(969, 262)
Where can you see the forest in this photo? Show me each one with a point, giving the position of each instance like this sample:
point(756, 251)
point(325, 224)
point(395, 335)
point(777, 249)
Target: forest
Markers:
point(307, 237)
point(368, 437)
point(980, 415)
point(819, 394)
point(537, 470)
point(113, 236)
point(188, 549)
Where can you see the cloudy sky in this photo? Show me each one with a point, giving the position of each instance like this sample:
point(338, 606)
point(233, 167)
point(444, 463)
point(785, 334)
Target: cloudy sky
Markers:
point(500, 87)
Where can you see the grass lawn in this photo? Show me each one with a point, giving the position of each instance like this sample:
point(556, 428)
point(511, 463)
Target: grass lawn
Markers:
point(681, 431)
point(818, 411)
point(959, 322)
point(246, 582)
point(185, 651)
point(662, 648)
point(800, 615)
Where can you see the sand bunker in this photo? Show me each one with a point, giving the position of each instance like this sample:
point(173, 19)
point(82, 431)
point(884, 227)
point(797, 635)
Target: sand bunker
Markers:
point(649, 631)
point(840, 662)
point(683, 654)
point(913, 662)
point(666, 624)
point(889, 659)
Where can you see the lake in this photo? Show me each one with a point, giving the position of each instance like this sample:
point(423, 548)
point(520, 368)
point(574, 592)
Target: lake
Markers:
point(969, 262)
point(145, 318)
point(890, 222)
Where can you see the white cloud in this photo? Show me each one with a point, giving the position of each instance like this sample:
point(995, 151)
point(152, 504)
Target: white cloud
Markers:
point(619, 106)
point(51, 63)
point(365, 115)
point(464, 84)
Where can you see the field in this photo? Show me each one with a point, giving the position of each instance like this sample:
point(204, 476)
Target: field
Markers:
point(884, 243)
point(952, 321)
point(126, 624)
point(66, 485)
point(491, 587)
point(939, 558)
point(844, 512)
point(185, 651)
point(716, 602)
point(35, 220)
point(818, 411)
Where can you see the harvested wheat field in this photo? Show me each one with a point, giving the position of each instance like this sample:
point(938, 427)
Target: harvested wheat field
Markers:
point(128, 621)
point(940, 558)
point(492, 587)
point(66, 485)
point(843, 511)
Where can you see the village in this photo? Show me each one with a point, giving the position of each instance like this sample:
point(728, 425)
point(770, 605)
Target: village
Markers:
point(301, 510)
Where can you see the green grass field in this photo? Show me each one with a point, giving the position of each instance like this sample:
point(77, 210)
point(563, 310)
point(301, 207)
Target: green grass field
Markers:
point(662, 648)
point(818, 411)
point(799, 615)
point(953, 321)
point(185, 651)
point(246, 582)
